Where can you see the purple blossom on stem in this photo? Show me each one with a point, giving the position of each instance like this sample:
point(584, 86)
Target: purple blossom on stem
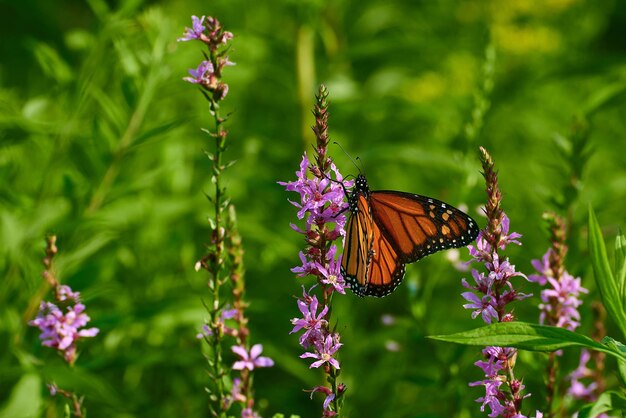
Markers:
point(484, 306)
point(324, 352)
point(489, 296)
point(208, 74)
point(201, 75)
point(326, 391)
point(196, 30)
point(311, 321)
point(560, 299)
point(63, 330)
point(252, 359)
point(249, 413)
point(221, 325)
point(577, 389)
point(332, 274)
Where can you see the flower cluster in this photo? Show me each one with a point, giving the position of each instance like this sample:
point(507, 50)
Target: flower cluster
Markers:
point(208, 73)
point(494, 285)
point(560, 300)
point(577, 389)
point(322, 206)
point(489, 296)
point(63, 330)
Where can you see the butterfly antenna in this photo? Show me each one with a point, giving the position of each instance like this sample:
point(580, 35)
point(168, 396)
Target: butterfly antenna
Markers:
point(362, 165)
point(348, 155)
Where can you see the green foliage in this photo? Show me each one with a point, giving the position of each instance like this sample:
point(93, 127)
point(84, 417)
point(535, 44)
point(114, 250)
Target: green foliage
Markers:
point(609, 283)
point(531, 337)
point(607, 402)
point(100, 143)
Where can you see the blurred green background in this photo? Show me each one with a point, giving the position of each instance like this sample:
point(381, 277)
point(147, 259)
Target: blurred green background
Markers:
point(100, 143)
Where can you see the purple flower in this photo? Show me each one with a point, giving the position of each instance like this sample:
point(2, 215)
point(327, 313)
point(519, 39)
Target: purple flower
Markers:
point(52, 388)
point(310, 321)
point(506, 238)
point(543, 268)
point(560, 300)
point(482, 306)
point(332, 274)
point(64, 292)
point(491, 367)
point(307, 267)
point(491, 398)
point(196, 30)
point(324, 352)
point(202, 74)
point(330, 396)
point(251, 360)
point(577, 389)
point(249, 413)
point(226, 314)
point(235, 392)
point(62, 331)
point(322, 199)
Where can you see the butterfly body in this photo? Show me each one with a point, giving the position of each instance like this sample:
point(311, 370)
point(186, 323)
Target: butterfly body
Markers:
point(388, 229)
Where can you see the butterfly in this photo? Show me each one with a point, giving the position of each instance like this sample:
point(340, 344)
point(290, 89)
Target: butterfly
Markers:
point(388, 229)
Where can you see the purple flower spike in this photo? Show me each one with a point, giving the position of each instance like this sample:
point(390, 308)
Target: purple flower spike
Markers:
point(321, 205)
point(489, 296)
point(196, 30)
point(561, 297)
point(251, 360)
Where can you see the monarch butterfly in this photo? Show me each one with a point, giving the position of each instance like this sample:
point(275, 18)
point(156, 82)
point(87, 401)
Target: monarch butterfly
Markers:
point(388, 229)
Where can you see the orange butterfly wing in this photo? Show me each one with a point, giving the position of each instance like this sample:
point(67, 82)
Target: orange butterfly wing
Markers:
point(419, 225)
point(388, 229)
point(370, 264)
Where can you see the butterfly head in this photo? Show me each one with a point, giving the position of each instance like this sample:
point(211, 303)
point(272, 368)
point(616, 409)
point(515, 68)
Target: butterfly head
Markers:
point(360, 185)
point(360, 188)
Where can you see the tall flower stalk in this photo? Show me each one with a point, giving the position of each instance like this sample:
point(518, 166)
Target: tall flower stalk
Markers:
point(62, 330)
point(490, 296)
point(560, 300)
point(322, 207)
point(224, 259)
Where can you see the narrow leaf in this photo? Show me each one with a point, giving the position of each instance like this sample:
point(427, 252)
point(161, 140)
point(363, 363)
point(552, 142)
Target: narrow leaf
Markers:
point(620, 265)
point(527, 336)
point(605, 280)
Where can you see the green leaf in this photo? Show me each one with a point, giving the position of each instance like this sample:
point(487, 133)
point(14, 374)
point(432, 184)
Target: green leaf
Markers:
point(527, 336)
point(607, 402)
point(604, 277)
point(25, 400)
point(618, 347)
point(620, 265)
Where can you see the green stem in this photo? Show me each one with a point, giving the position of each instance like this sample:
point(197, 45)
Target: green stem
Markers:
point(216, 265)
